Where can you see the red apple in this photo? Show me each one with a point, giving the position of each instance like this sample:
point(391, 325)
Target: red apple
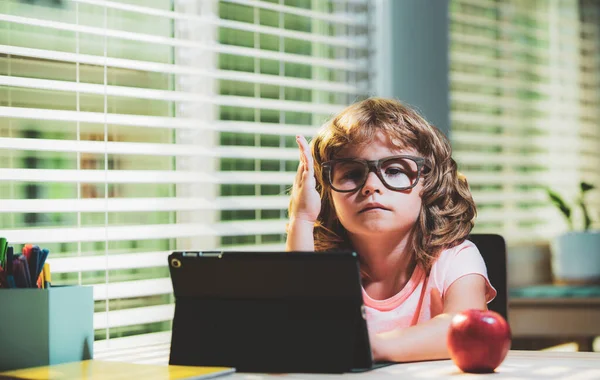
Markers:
point(478, 340)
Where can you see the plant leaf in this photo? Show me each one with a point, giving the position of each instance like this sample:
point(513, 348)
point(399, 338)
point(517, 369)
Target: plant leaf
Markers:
point(558, 202)
point(586, 187)
point(587, 220)
point(586, 216)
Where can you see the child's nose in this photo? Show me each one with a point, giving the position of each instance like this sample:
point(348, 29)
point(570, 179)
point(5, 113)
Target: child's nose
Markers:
point(372, 184)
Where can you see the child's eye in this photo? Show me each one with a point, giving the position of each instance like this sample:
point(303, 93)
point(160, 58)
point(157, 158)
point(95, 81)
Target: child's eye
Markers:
point(352, 174)
point(393, 171)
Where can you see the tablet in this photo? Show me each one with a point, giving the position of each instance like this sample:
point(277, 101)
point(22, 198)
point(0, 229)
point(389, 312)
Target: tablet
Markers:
point(269, 311)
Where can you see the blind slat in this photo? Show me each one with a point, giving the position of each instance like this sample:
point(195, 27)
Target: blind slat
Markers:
point(176, 42)
point(559, 143)
point(154, 122)
point(123, 63)
point(136, 316)
point(328, 17)
point(142, 232)
point(101, 118)
point(543, 213)
point(503, 65)
point(137, 260)
point(130, 289)
point(108, 176)
point(134, 148)
point(157, 121)
point(144, 176)
point(175, 96)
point(519, 234)
point(143, 204)
point(138, 354)
point(483, 197)
point(534, 179)
point(273, 247)
point(350, 19)
point(104, 346)
point(264, 128)
point(358, 42)
point(491, 158)
point(511, 103)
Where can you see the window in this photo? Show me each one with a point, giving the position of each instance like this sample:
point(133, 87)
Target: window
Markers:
point(525, 94)
point(132, 128)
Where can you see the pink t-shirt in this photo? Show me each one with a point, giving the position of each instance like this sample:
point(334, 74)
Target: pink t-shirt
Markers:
point(402, 310)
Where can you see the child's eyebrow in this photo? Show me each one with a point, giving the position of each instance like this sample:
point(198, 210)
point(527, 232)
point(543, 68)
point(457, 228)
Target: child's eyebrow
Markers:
point(399, 152)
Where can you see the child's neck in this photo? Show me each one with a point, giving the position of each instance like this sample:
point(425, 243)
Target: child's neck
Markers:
point(387, 263)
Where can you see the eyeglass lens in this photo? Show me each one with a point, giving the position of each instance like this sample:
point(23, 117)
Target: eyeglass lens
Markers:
point(396, 172)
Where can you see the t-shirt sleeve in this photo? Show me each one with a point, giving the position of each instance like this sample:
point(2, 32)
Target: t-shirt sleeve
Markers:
point(465, 260)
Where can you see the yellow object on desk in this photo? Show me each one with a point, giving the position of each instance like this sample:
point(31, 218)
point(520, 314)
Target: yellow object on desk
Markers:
point(98, 369)
point(47, 276)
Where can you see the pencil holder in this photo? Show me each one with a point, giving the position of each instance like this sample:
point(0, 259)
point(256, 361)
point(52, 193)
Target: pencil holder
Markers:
point(40, 327)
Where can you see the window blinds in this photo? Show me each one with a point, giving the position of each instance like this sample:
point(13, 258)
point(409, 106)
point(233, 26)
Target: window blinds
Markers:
point(317, 63)
point(525, 97)
point(132, 128)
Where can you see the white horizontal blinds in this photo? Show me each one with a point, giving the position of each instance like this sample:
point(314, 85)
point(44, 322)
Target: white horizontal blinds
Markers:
point(590, 97)
point(315, 56)
point(131, 128)
point(516, 97)
point(202, 180)
point(87, 146)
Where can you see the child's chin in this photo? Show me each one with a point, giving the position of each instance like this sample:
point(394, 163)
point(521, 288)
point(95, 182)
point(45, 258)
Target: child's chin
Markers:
point(377, 226)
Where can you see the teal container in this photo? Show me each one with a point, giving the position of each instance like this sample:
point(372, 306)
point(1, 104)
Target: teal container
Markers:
point(40, 327)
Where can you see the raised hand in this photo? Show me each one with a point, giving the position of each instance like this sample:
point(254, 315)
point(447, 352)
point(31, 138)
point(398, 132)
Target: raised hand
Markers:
point(306, 201)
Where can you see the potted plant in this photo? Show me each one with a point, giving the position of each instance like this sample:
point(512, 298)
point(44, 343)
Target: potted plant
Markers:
point(576, 253)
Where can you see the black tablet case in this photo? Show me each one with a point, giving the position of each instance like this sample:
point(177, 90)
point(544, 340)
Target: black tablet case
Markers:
point(269, 311)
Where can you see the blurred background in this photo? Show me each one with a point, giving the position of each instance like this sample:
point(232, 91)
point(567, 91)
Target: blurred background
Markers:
point(131, 128)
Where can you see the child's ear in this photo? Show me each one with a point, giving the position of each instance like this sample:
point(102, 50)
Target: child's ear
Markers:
point(461, 177)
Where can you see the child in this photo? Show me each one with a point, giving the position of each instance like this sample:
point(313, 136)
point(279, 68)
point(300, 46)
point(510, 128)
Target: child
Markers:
point(381, 181)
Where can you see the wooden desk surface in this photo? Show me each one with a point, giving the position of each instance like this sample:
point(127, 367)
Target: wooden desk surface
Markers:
point(519, 365)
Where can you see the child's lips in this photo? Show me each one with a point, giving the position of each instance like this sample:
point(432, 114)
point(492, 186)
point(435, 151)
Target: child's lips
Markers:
point(373, 206)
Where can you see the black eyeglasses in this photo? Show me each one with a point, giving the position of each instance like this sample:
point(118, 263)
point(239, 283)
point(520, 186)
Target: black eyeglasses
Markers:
point(397, 173)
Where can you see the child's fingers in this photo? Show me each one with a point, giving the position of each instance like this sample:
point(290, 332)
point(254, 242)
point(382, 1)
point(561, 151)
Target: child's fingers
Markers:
point(301, 140)
point(302, 143)
point(299, 172)
point(310, 166)
point(301, 149)
point(305, 153)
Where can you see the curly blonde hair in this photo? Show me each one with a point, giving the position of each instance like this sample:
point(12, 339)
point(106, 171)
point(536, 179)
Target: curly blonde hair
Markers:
point(448, 210)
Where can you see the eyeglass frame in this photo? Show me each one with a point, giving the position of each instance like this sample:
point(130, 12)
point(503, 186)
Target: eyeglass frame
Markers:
point(374, 166)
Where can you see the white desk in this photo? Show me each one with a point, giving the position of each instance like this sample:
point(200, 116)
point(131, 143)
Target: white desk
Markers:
point(519, 365)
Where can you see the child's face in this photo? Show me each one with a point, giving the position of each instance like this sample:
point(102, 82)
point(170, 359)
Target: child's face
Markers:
point(374, 209)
